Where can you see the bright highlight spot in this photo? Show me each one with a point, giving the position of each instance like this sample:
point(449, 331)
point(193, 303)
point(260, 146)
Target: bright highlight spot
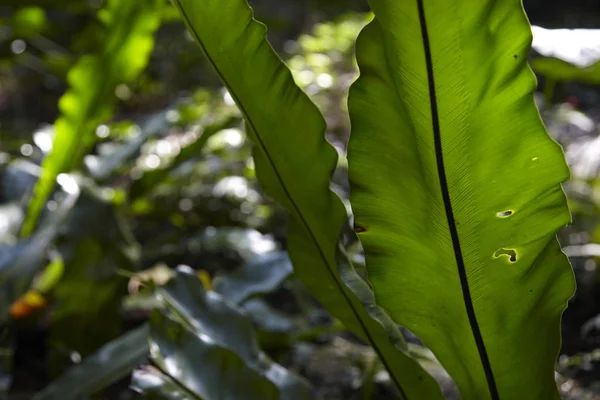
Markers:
point(27, 149)
point(102, 131)
point(152, 161)
point(18, 46)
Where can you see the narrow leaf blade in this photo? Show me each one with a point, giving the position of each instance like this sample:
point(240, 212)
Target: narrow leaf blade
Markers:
point(294, 163)
point(90, 98)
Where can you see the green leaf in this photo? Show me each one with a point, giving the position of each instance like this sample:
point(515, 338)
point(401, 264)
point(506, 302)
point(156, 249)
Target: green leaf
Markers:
point(90, 100)
point(262, 274)
point(51, 275)
point(200, 329)
point(179, 352)
point(112, 362)
point(294, 163)
point(560, 70)
point(455, 186)
point(154, 385)
point(118, 357)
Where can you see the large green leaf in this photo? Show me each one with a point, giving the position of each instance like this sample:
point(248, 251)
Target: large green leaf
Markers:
point(455, 186)
point(200, 329)
point(294, 163)
point(179, 353)
point(90, 100)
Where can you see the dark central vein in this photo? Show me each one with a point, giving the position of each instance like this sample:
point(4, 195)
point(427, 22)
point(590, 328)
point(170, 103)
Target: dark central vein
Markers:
point(485, 361)
point(281, 181)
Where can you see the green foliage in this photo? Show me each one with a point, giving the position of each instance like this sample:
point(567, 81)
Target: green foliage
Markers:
point(477, 204)
point(111, 362)
point(20, 262)
point(129, 28)
point(172, 181)
point(262, 274)
point(200, 328)
point(118, 357)
point(556, 69)
point(294, 164)
point(505, 237)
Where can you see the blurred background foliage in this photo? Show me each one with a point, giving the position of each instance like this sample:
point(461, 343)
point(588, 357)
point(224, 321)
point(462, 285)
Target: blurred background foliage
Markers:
point(161, 188)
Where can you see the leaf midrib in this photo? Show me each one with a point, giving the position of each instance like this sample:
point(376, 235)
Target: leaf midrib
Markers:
point(464, 283)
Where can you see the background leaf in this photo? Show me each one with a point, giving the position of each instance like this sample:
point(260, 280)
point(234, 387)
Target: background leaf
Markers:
point(113, 361)
point(200, 328)
point(262, 274)
point(90, 100)
point(120, 356)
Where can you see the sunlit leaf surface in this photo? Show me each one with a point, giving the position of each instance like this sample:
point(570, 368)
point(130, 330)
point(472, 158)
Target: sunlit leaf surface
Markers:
point(456, 208)
point(294, 163)
point(90, 100)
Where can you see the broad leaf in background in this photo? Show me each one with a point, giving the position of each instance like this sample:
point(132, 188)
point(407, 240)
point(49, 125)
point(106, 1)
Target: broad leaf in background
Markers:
point(90, 100)
point(178, 351)
point(455, 185)
point(262, 274)
point(154, 385)
point(199, 328)
point(113, 361)
point(117, 358)
point(294, 163)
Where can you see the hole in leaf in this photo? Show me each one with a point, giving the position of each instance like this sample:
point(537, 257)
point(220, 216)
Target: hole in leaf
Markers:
point(503, 214)
point(507, 252)
point(359, 229)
